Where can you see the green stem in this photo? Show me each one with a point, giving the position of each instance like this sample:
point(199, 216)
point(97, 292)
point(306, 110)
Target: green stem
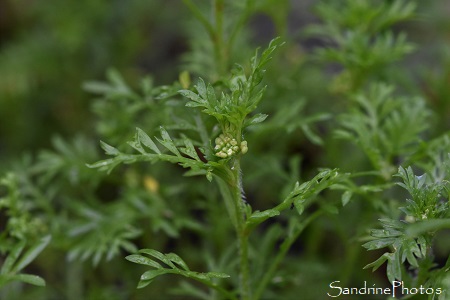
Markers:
point(220, 48)
point(285, 246)
point(244, 276)
point(240, 23)
point(215, 31)
point(242, 233)
point(74, 284)
point(244, 267)
point(353, 252)
point(221, 290)
point(198, 14)
point(227, 196)
point(232, 193)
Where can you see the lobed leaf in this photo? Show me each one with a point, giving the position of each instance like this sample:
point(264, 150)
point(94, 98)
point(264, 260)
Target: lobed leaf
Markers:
point(150, 275)
point(346, 196)
point(196, 100)
point(168, 142)
point(31, 254)
point(394, 269)
point(379, 244)
point(7, 266)
point(28, 278)
point(176, 259)
point(190, 149)
point(260, 216)
point(379, 262)
point(147, 141)
point(173, 261)
point(109, 150)
point(140, 259)
point(258, 118)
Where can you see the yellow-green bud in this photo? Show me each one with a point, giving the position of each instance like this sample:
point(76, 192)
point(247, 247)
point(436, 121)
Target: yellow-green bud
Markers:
point(227, 146)
point(244, 147)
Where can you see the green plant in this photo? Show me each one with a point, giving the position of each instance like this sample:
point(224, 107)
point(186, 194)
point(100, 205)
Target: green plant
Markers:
point(308, 150)
point(21, 230)
point(221, 160)
point(389, 129)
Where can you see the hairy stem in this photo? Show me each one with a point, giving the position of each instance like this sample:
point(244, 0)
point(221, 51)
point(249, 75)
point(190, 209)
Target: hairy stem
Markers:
point(241, 232)
point(232, 194)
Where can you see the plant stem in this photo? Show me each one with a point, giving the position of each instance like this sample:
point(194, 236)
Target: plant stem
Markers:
point(221, 290)
point(74, 284)
point(242, 234)
point(198, 14)
point(215, 31)
point(220, 48)
point(240, 22)
point(285, 246)
point(232, 194)
point(244, 266)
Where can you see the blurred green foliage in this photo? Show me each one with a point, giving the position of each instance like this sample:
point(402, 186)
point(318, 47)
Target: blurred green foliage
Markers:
point(51, 48)
point(362, 86)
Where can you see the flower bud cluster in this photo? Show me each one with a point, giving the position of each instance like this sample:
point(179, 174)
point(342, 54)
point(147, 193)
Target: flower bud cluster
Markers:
point(227, 146)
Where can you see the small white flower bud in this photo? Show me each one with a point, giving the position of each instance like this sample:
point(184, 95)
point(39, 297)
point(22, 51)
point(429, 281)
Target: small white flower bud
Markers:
point(221, 154)
point(244, 147)
point(227, 146)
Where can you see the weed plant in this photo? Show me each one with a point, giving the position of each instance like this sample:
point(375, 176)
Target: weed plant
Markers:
point(269, 174)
